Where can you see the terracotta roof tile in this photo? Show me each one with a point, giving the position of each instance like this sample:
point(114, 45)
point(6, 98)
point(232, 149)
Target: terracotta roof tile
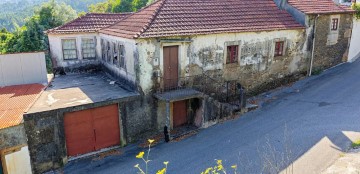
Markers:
point(14, 101)
point(91, 22)
point(192, 17)
point(319, 6)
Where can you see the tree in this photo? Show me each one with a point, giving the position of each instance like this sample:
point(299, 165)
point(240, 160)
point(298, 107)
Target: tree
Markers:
point(138, 4)
point(101, 7)
point(118, 6)
point(122, 6)
point(4, 30)
point(31, 36)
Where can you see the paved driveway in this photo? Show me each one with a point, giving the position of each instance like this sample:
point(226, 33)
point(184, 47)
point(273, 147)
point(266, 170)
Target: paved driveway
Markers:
point(304, 130)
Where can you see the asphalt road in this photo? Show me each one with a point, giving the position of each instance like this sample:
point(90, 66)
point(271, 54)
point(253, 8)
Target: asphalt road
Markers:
point(303, 130)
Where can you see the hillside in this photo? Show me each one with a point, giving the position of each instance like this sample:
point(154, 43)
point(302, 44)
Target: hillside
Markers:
point(14, 12)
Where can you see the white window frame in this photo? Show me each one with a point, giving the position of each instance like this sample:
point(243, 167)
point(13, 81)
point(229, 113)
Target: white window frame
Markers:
point(94, 48)
point(63, 50)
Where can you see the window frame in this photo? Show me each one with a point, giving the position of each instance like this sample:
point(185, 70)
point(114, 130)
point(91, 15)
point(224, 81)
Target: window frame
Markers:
point(115, 56)
point(334, 25)
point(82, 48)
point(108, 52)
point(63, 50)
point(121, 54)
point(232, 58)
point(279, 45)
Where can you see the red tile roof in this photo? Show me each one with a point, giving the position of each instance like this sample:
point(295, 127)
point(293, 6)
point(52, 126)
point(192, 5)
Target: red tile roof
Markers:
point(89, 23)
point(193, 17)
point(319, 6)
point(14, 101)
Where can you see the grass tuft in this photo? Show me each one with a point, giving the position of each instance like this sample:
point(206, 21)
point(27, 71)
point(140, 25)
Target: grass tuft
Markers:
point(356, 144)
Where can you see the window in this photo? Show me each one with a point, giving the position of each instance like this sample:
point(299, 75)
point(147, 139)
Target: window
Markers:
point(88, 48)
point(122, 56)
point(232, 54)
point(279, 48)
point(69, 49)
point(334, 24)
point(103, 49)
point(116, 52)
point(108, 50)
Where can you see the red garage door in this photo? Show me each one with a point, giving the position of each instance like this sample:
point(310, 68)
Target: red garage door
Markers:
point(91, 130)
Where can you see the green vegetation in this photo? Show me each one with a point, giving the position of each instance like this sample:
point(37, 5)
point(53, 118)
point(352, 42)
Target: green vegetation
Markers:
point(116, 6)
point(13, 13)
point(356, 7)
point(31, 36)
point(356, 144)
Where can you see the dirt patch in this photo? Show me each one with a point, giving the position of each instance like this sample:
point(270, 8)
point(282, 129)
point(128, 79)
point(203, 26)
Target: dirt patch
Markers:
point(177, 139)
point(101, 156)
point(145, 143)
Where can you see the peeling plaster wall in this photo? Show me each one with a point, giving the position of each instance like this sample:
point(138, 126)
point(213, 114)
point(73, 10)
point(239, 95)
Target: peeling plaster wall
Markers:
point(57, 53)
point(205, 53)
point(129, 72)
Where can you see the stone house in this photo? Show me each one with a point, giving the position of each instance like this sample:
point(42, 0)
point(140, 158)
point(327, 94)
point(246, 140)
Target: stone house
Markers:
point(179, 64)
point(328, 27)
point(190, 55)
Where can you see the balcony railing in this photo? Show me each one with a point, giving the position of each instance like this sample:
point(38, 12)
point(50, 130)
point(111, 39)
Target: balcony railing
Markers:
point(222, 91)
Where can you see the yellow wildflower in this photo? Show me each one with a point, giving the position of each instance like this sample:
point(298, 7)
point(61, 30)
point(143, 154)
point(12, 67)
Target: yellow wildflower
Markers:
point(166, 162)
point(220, 167)
point(151, 141)
point(162, 171)
point(140, 155)
point(219, 162)
point(207, 171)
point(234, 166)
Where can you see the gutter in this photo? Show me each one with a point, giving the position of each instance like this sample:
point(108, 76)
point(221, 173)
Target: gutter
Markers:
point(313, 48)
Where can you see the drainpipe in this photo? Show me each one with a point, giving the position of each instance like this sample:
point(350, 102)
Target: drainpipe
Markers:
point(313, 46)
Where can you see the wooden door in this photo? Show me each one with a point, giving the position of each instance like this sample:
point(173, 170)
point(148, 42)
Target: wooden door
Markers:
point(91, 130)
point(179, 113)
point(171, 66)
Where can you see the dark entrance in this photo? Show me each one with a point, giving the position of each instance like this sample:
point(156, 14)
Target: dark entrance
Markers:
point(171, 66)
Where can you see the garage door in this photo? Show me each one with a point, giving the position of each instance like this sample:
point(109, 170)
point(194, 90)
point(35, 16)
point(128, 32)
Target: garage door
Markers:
point(91, 130)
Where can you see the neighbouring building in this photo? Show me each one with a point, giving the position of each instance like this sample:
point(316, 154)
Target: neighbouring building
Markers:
point(22, 78)
point(328, 28)
point(354, 51)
